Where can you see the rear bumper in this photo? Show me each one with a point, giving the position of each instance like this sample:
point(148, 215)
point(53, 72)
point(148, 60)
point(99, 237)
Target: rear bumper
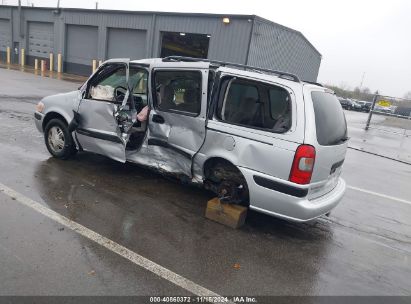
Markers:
point(288, 206)
point(38, 119)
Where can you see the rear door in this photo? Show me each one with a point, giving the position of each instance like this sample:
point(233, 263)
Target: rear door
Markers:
point(330, 139)
point(177, 120)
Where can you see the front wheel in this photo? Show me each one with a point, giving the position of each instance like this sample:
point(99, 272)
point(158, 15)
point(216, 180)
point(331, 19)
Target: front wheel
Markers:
point(58, 139)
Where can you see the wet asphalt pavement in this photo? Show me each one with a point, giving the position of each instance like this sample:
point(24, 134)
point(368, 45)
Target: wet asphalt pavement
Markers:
point(363, 248)
point(381, 138)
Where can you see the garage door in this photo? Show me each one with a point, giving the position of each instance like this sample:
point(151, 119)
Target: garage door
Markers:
point(81, 48)
point(41, 39)
point(126, 43)
point(4, 34)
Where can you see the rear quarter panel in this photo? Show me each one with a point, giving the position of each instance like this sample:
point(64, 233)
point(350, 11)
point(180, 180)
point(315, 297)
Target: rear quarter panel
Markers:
point(262, 151)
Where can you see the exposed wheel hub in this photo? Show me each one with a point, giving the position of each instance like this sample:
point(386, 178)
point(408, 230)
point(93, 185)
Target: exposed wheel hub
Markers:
point(56, 139)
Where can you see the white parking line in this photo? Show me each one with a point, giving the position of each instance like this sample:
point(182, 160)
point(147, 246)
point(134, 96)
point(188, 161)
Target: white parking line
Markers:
point(110, 245)
point(380, 195)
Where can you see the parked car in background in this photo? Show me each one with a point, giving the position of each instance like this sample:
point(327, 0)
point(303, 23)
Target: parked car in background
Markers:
point(403, 111)
point(356, 106)
point(346, 104)
point(386, 109)
point(262, 139)
point(365, 105)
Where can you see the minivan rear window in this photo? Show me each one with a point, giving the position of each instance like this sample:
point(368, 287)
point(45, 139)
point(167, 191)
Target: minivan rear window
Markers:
point(329, 119)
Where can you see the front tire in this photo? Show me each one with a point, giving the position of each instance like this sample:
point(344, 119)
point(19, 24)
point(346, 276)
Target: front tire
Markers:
point(58, 139)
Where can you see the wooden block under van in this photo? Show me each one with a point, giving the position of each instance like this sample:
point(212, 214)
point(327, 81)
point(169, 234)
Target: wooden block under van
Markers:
point(227, 214)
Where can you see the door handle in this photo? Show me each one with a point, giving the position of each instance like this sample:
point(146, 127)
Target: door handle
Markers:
point(158, 119)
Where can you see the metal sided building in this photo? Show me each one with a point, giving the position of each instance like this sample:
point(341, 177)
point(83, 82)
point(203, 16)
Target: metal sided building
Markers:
point(83, 35)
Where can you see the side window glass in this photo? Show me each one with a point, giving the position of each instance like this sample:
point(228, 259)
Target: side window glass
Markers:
point(256, 105)
point(241, 104)
point(109, 85)
point(138, 83)
point(138, 80)
point(280, 109)
point(178, 91)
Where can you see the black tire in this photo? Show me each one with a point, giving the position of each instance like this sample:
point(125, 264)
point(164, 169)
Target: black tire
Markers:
point(58, 139)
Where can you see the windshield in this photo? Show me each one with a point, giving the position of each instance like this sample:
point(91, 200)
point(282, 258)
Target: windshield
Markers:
point(329, 119)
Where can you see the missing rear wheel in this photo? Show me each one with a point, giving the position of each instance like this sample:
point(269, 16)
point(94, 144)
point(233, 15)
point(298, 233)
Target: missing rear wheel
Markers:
point(227, 182)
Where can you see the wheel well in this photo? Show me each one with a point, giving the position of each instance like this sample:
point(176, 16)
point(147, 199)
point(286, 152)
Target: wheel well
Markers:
point(217, 161)
point(52, 115)
point(220, 173)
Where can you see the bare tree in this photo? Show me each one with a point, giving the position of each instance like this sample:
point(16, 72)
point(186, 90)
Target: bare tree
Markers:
point(407, 95)
point(366, 90)
point(344, 86)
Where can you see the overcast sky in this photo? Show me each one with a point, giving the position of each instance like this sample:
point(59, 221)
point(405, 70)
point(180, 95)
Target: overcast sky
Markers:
point(354, 36)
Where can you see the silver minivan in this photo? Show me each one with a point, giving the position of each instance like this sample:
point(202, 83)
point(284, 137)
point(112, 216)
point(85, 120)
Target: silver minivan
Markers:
point(256, 137)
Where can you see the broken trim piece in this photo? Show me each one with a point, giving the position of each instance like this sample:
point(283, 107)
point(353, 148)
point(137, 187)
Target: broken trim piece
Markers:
point(276, 186)
point(165, 144)
point(37, 116)
point(80, 148)
point(73, 125)
point(99, 135)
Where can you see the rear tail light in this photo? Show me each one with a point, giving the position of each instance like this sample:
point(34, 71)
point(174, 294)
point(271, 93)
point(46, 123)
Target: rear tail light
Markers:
point(303, 165)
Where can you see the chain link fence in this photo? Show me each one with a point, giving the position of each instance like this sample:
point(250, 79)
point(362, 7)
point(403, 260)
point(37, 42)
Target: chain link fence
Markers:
point(390, 113)
point(387, 130)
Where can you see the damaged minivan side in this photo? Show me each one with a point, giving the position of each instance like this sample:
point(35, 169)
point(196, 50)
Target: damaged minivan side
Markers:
point(256, 137)
point(105, 117)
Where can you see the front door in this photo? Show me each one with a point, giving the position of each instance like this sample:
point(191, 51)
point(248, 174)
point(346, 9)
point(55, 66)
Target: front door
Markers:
point(177, 120)
point(107, 112)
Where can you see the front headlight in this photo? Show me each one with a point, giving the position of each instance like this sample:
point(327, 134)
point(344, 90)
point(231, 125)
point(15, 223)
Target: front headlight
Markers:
point(40, 107)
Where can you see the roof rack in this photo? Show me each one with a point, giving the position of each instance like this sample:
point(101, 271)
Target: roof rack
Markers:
point(280, 74)
point(313, 82)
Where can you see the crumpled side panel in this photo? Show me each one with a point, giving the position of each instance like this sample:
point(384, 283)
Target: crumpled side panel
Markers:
point(159, 158)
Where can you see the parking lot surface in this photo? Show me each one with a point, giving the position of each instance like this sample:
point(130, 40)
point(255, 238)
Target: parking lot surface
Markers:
point(363, 248)
point(382, 138)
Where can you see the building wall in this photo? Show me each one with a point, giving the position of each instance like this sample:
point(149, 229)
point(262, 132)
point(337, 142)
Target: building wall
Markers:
point(247, 39)
point(5, 37)
point(5, 31)
point(126, 43)
point(40, 40)
point(81, 48)
point(227, 42)
point(277, 47)
point(104, 20)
